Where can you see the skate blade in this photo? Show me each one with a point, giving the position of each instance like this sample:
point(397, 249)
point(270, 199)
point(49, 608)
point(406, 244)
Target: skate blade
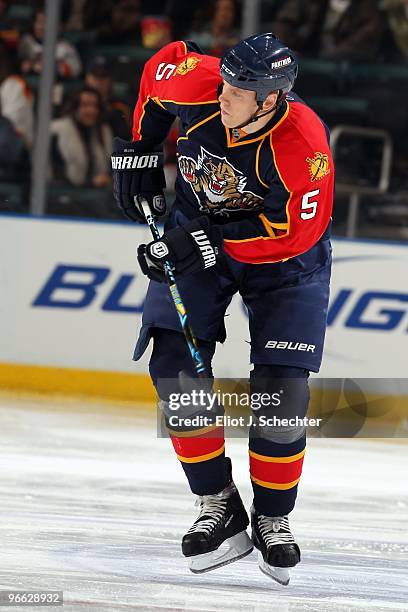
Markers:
point(279, 574)
point(231, 550)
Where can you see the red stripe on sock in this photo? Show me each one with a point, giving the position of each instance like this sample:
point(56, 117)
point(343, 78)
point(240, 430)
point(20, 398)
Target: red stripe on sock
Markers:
point(275, 472)
point(198, 445)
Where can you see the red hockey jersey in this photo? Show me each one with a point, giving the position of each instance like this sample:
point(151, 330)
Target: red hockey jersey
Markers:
point(271, 190)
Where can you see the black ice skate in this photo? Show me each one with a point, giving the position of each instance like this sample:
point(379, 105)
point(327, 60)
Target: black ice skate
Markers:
point(219, 535)
point(277, 548)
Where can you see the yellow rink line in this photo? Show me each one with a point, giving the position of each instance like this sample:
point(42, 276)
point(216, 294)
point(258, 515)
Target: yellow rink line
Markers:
point(137, 388)
point(70, 381)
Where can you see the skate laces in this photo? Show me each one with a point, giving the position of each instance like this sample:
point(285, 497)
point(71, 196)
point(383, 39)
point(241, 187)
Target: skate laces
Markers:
point(274, 529)
point(212, 506)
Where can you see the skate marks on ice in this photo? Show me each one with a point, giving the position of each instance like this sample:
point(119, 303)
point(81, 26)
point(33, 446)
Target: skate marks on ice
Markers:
point(92, 503)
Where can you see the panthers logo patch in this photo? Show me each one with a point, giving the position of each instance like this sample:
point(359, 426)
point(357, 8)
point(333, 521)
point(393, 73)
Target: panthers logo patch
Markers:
point(187, 65)
point(318, 166)
point(217, 185)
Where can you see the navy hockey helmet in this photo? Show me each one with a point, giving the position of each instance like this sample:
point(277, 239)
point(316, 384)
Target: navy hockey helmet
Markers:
point(260, 63)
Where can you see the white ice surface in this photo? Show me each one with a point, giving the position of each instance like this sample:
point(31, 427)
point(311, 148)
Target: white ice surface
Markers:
point(91, 502)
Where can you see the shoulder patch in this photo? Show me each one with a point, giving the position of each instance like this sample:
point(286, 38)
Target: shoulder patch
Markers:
point(319, 166)
point(188, 64)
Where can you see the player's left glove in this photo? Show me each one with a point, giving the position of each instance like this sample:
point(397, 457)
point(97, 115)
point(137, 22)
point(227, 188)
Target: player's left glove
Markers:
point(190, 249)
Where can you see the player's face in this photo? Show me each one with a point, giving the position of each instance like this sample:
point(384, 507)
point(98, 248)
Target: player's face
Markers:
point(237, 105)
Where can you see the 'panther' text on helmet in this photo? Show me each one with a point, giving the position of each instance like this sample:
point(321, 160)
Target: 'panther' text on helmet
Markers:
point(262, 64)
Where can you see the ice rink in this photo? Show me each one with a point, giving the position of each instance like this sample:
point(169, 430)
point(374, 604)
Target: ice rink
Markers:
point(92, 503)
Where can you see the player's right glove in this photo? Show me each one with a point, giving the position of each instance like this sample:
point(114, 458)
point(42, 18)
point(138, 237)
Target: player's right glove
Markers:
point(190, 248)
point(137, 174)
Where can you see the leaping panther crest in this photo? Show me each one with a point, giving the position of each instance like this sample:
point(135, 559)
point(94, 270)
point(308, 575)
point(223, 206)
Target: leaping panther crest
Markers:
point(217, 185)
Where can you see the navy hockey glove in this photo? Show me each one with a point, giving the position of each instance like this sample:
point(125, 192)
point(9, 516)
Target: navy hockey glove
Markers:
point(137, 173)
point(190, 248)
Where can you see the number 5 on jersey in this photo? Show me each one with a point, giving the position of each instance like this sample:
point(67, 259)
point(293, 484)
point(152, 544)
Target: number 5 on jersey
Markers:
point(308, 205)
point(164, 71)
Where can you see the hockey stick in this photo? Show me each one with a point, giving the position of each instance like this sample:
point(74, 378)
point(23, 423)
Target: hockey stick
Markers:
point(178, 303)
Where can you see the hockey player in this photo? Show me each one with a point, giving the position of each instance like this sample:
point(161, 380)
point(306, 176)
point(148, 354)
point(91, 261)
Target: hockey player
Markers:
point(255, 182)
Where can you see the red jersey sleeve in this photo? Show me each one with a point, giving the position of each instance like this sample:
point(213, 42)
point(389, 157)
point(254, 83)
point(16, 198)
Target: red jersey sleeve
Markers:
point(305, 174)
point(174, 77)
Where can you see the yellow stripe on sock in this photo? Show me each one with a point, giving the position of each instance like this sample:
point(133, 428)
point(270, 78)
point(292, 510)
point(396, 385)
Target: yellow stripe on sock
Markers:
point(275, 485)
point(277, 459)
point(202, 457)
point(193, 433)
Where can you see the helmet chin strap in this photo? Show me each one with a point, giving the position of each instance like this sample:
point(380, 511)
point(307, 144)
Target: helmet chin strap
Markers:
point(255, 116)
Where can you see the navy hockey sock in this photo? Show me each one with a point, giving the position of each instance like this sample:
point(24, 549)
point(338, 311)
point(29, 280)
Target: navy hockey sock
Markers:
point(200, 449)
point(275, 452)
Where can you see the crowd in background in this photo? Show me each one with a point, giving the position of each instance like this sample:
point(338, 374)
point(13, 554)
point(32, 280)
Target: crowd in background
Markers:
point(93, 97)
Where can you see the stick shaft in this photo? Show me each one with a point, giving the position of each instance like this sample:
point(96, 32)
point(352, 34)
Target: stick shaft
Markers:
point(175, 294)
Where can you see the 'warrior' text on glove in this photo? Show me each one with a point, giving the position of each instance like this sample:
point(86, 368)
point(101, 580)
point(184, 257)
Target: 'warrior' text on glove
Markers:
point(137, 174)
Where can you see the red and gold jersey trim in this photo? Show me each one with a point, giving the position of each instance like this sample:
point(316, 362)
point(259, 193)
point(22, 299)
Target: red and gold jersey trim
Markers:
point(257, 164)
point(232, 142)
point(197, 125)
point(300, 154)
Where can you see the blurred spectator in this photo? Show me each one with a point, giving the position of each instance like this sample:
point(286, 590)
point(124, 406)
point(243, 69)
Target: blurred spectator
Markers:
point(397, 14)
point(116, 21)
point(74, 15)
point(81, 143)
point(13, 153)
point(331, 29)
point(8, 27)
point(156, 31)
point(16, 100)
point(221, 31)
point(178, 12)
point(116, 113)
point(31, 49)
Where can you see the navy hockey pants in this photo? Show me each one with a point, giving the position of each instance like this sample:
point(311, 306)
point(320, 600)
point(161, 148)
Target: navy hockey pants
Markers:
point(287, 309)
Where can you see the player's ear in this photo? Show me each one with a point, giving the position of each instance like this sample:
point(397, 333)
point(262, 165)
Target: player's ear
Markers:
point(270, 101)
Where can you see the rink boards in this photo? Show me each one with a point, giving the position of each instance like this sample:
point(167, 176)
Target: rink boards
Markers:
point(72, 298)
